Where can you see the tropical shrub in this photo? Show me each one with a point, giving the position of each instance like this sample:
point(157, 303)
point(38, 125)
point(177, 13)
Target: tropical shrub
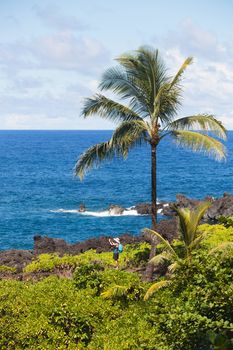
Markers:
point(133, 255)
point(226, 221)
point(9, 269)
point(90, 312)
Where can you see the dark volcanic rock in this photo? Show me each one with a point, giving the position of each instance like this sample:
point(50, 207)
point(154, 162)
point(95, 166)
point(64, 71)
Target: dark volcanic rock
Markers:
point(101, 244)
point(50, 245)
point(55, 245)
point(168, 228)
point(143, 208)
point(16, 258)
point(221, 206)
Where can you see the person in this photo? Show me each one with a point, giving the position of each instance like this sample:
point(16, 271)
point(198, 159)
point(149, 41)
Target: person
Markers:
point(115, 244)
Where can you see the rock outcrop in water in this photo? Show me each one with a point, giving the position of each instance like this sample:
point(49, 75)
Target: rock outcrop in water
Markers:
point(116, 209)
point(220, 206)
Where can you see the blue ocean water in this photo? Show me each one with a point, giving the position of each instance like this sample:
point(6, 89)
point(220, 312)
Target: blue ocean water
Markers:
point(37, 179)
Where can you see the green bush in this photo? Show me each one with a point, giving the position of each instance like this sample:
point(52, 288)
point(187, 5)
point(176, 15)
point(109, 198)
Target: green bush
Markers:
point(103, 308)
point(9, 269)
point(226, 221)
point(133, 255)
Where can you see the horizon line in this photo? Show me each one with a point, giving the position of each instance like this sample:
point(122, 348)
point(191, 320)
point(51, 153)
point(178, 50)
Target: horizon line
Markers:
point(67, 130)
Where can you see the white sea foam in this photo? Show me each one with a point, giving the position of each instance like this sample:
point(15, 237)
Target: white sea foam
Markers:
point(128, 212)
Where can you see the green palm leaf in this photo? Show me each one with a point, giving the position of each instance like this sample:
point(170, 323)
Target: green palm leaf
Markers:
point(166, 104)
point(115, 292)
point(196, 216)
point(222, 248)
point(201, 143)
point(204, 122)
point(184, 224)
point(117, 80)
point(195, 243)
point(108, 109)
point(146, 66)
point(160, 258)
point(155, 287)
point(128, 134)
point(166, 243)
point(93, 157)
point(174, 266)
point(181, 71)
point(189, 221)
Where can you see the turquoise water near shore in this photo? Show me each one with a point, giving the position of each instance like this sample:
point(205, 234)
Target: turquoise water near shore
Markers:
point(37, 179)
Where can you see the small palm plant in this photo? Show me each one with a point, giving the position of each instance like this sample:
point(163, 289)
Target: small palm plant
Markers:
point(190, 237)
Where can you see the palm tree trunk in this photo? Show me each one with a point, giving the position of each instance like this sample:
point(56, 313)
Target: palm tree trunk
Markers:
point(150, 268)
point(153, 187)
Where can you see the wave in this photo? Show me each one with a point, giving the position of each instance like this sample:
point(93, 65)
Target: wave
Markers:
point(105, 213)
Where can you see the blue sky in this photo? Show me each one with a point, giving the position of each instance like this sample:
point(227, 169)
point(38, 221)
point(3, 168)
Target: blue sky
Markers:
point(52, 54)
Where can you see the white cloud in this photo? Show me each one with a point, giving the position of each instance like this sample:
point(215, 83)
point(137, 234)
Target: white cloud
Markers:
point(66, 51)
point(51, 16)
point(208, 82)
point(196, 41)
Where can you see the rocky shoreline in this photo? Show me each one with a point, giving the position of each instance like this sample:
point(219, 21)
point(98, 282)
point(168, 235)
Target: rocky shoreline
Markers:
point(222, 206)
point(168, 228)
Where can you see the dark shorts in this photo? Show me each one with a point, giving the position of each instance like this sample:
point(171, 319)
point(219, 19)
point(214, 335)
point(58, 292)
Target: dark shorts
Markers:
point(116, 256)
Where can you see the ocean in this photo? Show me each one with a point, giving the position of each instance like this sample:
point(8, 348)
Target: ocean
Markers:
point(39, 193)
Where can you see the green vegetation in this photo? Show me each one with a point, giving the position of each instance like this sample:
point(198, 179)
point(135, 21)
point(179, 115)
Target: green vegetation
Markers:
point(104, 308)
point(8, 269)
point(133, 255)
point(226, 221)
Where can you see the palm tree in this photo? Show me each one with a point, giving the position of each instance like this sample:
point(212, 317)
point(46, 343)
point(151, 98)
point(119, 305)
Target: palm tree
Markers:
point(190, 236)
point(152, 100)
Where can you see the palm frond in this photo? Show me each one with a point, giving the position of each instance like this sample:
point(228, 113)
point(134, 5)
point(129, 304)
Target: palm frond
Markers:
point(174, 266)
point(129, 134)
point(167, 100)
point(196, 241)
point(148, 68)
point(126, 136)
point(181, 71)
point(166, 243)
point(155, 287)
point(116, 291)
point(222, 248)
point(184, 224)
point(166, 104)
point(117, 80)
point(196, 216)
point(108, 109)
point(189, 221)
point(93, 158)
point(160, 258)
point(200, 143)
point(205, 122)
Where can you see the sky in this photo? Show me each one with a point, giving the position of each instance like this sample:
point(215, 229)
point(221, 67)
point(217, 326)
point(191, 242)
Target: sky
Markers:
point(53, 53)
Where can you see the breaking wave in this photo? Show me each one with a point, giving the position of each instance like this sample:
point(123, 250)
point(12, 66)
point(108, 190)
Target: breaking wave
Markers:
point(104, 213)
